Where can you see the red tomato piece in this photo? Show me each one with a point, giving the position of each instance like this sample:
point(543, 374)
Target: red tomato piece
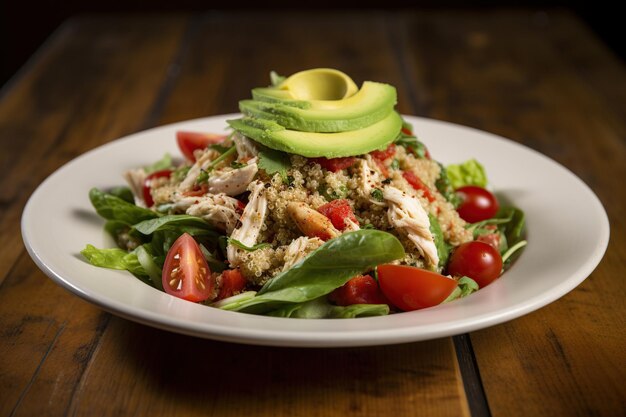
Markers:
point(190, 141)
point(387, 153)
point(362, 289)
point(477, 204)
point(231, 283)
point(417, 184)
point(410, 288)
point(147, 183)
point(186, 273)
point(478, 260)
point(407, 131)
point(197, 191)
point(337, 212)
point(335, 164)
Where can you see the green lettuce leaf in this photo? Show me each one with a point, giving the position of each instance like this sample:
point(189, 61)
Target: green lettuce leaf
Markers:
point(470, 172)
point(320, 308)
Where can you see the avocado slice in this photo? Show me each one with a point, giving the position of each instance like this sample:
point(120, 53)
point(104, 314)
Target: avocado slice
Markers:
point(330, 145)
point(372, 103)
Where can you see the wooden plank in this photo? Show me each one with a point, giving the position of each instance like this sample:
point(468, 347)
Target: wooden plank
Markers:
point(89, 86)
point(82, 91)
point(507, 73)
point(158, 373)
point(210, 378)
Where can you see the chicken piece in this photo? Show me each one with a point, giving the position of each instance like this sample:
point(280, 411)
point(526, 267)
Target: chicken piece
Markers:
point(135, 179)
point(233, 181)
point(369, 178)
point(202, 163)
point(299, 249)
point(406, 213)
point(311, 222)
point(351, 225)
point(218, 209)
point(252, 220)
point(246, 149)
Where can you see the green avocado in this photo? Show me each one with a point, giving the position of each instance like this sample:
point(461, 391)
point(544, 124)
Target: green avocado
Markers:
point(372, 103)
point(330, 145)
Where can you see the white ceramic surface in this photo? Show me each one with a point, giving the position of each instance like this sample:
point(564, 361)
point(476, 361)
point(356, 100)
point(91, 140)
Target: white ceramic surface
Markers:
point(567, 229)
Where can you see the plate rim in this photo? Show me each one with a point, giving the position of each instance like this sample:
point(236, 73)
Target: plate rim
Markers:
point(322, 338)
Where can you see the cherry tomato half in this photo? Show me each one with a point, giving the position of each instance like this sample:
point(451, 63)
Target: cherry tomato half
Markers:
point(190, 141)
point(477, 204)
point(478, 260)
point(147, 183)
point(337, 212)
point(186, 273)
point(362, 289)
point(410, 288)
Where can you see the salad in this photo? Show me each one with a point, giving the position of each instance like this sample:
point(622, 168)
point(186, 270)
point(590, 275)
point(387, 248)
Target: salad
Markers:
point(319, 202)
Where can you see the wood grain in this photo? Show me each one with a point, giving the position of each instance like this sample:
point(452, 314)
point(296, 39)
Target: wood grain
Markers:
point(89, 86)
point(219, 379)
point(539, 78)
point(516, 75)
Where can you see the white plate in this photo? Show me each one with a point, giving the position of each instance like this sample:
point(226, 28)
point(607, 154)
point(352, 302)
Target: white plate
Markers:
point(567, 230)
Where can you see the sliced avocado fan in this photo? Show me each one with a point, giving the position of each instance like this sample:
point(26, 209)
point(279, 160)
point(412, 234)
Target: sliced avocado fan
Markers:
point(320, 112)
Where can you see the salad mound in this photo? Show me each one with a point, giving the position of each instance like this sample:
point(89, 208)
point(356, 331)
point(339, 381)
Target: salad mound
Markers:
point(347, 223)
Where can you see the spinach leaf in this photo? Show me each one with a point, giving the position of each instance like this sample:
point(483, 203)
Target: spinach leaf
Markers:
point(124, 193)
point(336, 261)
point(252, 248)
point(465, 287)
point(443, 249)
point(114, 208)
point(182, 223)
point(470, 172)
point(328, 267)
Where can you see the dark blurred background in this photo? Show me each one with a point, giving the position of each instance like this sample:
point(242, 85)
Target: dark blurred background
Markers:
point(24, 26)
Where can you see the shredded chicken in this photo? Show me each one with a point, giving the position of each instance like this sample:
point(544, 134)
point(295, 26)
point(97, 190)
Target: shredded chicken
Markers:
point(351, 226)
point(246, 149)
point(311, 222)
point(218, 209)
point(252, 220)
point(201, 163)
point(135, 179)
point(299, 249)
point(233, 181)
point(406, 213)
point(368, 179)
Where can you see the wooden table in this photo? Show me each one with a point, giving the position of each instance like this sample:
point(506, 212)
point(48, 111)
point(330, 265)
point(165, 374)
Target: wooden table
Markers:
point(540, 78)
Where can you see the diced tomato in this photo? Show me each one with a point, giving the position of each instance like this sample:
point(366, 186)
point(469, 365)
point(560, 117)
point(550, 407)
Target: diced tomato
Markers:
point(186, 273)
point(241, 206)
point(417, 184)
point(338, 211)
point(231, 283)
point(411, 288)
point(197, 191)
point(382, 167)
point(387, 153)
point(335, 164)
point(406, 131)
point(147, 184)
point(492, 239)
point(190, 141)
point(362, 289)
